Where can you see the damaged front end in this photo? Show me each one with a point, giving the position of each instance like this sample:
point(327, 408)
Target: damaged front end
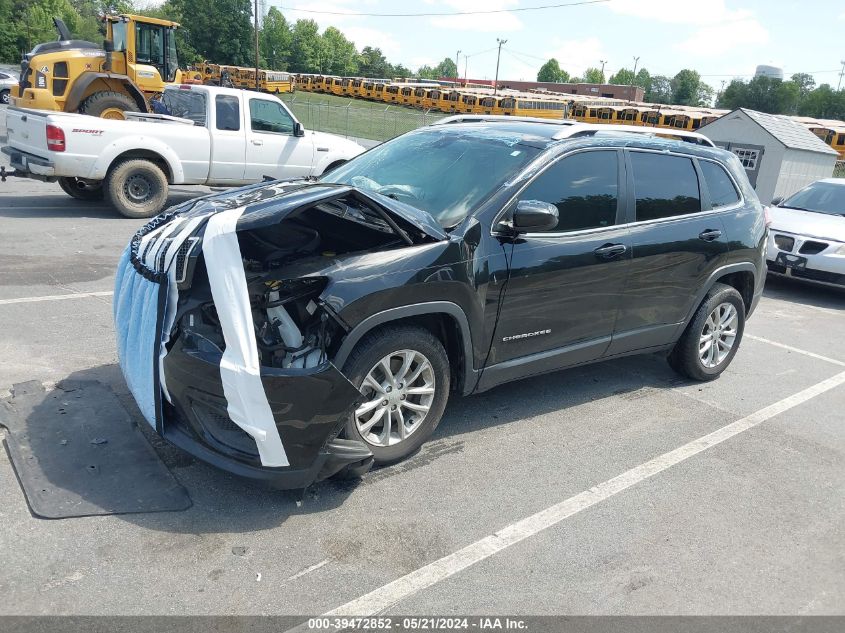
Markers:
point(224, 339)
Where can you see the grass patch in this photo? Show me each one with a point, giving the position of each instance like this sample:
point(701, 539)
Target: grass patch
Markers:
point(355, 117)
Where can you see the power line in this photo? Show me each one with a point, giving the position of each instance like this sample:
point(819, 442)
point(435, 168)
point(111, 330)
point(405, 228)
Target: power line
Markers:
point(561, 5)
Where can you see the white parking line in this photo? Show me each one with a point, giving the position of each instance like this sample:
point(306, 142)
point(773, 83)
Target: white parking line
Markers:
point(385, 597)
point(796, 350)
point(74, 295)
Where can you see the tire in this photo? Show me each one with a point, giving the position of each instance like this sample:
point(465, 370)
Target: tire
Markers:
point(419, 426)
point(5, 97)
point(686, 357)
point(82, 190)
point(137, 188)
point(108, 104)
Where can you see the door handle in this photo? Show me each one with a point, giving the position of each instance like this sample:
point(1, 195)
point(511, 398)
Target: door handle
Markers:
point(609, 251)
point(257, 141)
point(709, 235)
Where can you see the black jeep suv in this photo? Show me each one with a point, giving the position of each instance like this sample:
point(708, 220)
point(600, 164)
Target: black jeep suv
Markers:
point(288, 331)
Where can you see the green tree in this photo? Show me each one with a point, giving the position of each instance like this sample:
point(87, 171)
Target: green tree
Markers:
point(659, 90)
point(552, 72)
point(305, 47)
point(35, 22)
point(805, 82)
point(337, 54)
point(688, 89)
point(446, 68)
point(623, 77)
point(762, 93)
point(10, 51)
point(593, 76)
point(372, 63)
point(824, 103)
point(275, 40)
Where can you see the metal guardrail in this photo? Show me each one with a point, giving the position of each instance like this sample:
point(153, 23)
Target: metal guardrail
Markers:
point(373, 123)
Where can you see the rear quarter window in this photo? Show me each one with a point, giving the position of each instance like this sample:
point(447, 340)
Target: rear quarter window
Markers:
point(719, 184)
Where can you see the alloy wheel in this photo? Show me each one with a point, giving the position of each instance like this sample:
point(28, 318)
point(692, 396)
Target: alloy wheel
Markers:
point(399, 392)
point(718, 335)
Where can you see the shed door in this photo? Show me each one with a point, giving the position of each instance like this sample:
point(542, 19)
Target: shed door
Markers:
point(751, 156)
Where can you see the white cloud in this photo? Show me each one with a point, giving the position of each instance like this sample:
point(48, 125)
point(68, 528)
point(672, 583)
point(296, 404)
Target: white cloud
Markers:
point(715, 22)
point(575, 56)
point(485, 23)
point(364, 36)
point(728, 36)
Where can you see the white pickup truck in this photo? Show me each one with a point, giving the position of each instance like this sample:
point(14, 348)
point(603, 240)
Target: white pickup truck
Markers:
point(208, 136)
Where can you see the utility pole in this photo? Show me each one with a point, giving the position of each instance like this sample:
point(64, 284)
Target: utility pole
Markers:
point(841, 72)
point(466, 59)
point(256, 44)
point(603, 62)
point(496, 81)
point(636, 61)
point(457, 83)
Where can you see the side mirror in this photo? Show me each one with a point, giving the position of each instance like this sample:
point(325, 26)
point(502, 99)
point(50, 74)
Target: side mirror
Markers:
point(108, 46)
point(534, 215)
point(298, 130)
point(776, 201)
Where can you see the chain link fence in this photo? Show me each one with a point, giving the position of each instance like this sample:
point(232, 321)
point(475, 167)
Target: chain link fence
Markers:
point(357, 122)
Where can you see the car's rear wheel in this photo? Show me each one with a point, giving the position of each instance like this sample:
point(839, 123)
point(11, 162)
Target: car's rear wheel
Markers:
point(137, 188)
point(82, 189)
point(403, 374)
point(712, 338)
point(5, 97)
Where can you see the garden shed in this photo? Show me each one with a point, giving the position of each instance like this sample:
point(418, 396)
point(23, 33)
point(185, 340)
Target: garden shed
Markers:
point(779, 154)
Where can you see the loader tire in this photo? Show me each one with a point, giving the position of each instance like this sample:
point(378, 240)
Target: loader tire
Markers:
point(108, 105)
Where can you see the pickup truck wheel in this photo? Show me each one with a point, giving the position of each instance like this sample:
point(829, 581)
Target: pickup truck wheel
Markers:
point(137, 188)
point(82, 189)
point(108, 105)
point(403, 374)
point(712, 338)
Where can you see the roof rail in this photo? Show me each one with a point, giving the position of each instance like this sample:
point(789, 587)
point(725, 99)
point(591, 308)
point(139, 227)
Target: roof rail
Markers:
point(574, 129)
point(590, 129)
point(482, 118)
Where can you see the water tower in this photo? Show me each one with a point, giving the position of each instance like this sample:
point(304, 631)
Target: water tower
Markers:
point(772, 72)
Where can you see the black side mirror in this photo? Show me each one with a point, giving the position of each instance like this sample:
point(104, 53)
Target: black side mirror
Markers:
point(534, 215)
point(298, 130)
point(108, 46)
point(776, 201)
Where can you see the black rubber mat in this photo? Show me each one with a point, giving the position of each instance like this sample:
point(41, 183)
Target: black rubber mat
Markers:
point(77, 453)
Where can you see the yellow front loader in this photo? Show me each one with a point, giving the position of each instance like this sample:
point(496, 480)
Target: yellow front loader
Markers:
point(137, 60)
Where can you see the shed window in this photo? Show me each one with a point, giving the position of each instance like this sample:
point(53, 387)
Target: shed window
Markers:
point(748, 157)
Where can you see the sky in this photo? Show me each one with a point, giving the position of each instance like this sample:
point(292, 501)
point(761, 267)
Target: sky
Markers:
point(721, 39)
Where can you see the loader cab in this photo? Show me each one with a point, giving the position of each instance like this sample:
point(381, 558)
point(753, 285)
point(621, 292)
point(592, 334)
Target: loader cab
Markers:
point(144, 49)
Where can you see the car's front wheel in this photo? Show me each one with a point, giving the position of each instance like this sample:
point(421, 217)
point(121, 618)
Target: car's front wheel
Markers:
point(5, 97)
point(712, 338)
point(403, 374)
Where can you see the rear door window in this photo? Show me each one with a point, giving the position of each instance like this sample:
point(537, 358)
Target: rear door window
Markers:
point(719, 184)
point(665, 186)
point(228, 113)
point(584, 188)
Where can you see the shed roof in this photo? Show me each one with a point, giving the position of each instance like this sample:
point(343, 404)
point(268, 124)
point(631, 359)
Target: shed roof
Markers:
point(789, 132)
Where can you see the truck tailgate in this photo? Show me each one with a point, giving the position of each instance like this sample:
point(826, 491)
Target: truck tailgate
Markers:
point(27, 130)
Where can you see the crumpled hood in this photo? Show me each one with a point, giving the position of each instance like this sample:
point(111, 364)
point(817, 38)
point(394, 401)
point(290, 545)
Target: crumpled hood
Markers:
point(271, 202)
point(808, 223)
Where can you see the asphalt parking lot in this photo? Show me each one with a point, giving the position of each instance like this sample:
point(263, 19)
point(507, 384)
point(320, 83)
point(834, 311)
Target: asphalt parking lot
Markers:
point(615, 488)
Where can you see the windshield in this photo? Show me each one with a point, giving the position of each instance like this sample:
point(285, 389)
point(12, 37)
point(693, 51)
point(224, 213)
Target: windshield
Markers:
point(820, 197)
point(443, 170)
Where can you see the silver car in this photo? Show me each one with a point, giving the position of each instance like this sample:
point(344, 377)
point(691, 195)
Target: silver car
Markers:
point(8, 79)
point(807, 233)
